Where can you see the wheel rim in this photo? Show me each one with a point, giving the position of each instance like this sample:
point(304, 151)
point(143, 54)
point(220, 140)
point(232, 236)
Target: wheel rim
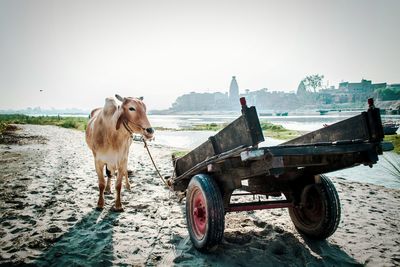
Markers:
point(312, 210)
point(199, 214)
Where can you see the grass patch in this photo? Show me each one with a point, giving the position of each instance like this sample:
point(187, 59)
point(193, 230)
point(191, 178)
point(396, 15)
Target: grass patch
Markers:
point(196, 127)
point(393, 166)
point(208, 127)
point(269, 129)
point(78, 123)
point(278, 131)
point(4, 127)
point(179, 153)
point(395, 140)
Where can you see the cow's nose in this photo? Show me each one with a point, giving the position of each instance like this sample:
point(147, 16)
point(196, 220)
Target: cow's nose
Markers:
point(150, 130)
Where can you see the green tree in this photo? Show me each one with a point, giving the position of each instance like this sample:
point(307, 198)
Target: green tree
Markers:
point(388, 93)
point(313, 81)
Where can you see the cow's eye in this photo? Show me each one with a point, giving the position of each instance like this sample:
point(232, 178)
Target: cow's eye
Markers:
point(132, 109)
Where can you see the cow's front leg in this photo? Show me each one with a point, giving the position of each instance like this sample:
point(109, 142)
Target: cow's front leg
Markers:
point(102, 184)
point(125, 174)
point(118, 186)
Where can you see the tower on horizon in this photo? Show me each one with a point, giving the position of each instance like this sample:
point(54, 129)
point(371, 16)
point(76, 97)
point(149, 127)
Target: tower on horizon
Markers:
point(233, 91)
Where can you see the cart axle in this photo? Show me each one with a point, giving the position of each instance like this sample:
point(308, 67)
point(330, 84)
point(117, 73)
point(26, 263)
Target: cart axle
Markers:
point(260, 205)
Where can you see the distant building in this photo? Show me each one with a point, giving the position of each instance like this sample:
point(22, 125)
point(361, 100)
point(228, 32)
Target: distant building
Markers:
point(359, 92)
point(265, 100)
point(233, 91)
point(349, 92)
point(365, 86)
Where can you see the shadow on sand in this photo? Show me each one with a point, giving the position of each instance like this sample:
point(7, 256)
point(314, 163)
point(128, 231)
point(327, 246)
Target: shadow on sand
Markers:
point(265, 245)
point(87, 243)
point(271, 246)
point(331, 254)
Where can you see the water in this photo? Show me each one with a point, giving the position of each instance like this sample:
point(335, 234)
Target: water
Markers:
point(296, 122)
point(185, 140)
point(186, 121)
point(188, 140)
point(379, 174)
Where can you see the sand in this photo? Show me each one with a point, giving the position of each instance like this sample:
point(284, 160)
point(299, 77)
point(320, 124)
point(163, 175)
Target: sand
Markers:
point(49, 192)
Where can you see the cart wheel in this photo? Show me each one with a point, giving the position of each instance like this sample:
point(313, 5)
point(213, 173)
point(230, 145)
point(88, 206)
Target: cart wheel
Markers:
point(205, 214)
point(318, 214)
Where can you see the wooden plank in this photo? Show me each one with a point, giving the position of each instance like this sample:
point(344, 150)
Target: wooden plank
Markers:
point(201, 166)
point(375, 125)
point(196, 156)
point(235, 134)
point(244, 131)
point(319, 150)
point(350, 129)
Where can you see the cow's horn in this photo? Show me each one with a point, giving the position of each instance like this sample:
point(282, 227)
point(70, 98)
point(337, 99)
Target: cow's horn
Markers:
point(120, 98)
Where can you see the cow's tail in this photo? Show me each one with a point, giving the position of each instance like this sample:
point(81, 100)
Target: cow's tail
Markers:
point(108, 173)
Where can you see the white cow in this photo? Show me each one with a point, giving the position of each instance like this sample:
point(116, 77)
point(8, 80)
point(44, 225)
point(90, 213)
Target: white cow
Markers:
point(108, 135)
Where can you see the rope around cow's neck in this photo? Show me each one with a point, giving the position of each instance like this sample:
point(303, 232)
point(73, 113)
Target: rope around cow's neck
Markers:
point(148, 151)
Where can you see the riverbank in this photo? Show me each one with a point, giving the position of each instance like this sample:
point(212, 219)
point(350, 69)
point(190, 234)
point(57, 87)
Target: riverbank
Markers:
point(48, 217)
point(80, 123)
point(270, 130)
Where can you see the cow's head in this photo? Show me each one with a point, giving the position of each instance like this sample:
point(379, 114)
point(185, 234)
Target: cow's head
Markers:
point(133, 113)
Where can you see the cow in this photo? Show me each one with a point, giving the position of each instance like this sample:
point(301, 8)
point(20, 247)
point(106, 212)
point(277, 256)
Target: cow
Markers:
point(108, 135)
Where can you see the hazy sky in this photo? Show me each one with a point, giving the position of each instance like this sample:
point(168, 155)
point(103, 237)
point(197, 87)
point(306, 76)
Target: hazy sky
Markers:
point(79, 52)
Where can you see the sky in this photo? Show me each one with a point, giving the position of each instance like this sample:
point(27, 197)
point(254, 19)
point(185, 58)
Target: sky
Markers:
point(78, 52)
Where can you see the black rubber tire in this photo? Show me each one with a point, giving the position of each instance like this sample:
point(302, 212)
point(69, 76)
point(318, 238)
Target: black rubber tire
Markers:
point(214, 212)
point(318, 214)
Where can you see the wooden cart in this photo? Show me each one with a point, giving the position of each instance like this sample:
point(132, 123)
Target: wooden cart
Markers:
point(230, 163)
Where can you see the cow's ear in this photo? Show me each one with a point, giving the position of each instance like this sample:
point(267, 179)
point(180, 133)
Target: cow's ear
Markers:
point(141, 98)
point(119, 121)
point(120, 98)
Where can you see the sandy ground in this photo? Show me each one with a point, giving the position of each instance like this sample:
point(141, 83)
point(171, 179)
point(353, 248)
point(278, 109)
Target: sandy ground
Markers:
point(47, 204)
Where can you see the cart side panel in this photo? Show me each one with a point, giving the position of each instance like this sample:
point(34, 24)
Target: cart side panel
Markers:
point(375, 125)
point(366, 126)
point(254, 125)
point(237, 134)
point(196, 156)
point(244, 131)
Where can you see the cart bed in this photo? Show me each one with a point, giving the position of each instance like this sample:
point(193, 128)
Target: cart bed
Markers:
point(232, 154)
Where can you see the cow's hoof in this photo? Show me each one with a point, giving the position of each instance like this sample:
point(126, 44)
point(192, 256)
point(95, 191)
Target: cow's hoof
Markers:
point(128, 187)
point(100, 203)
point(107, 192)
point(115, 209)
point(99, 208)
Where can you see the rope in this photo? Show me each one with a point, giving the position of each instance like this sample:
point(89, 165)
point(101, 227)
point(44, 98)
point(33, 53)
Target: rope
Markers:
point(154, 164)
point(148, 151)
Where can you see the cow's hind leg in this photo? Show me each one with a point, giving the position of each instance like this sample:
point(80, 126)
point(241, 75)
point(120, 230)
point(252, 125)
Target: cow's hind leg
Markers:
point(108, 185)
point(102, 183)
